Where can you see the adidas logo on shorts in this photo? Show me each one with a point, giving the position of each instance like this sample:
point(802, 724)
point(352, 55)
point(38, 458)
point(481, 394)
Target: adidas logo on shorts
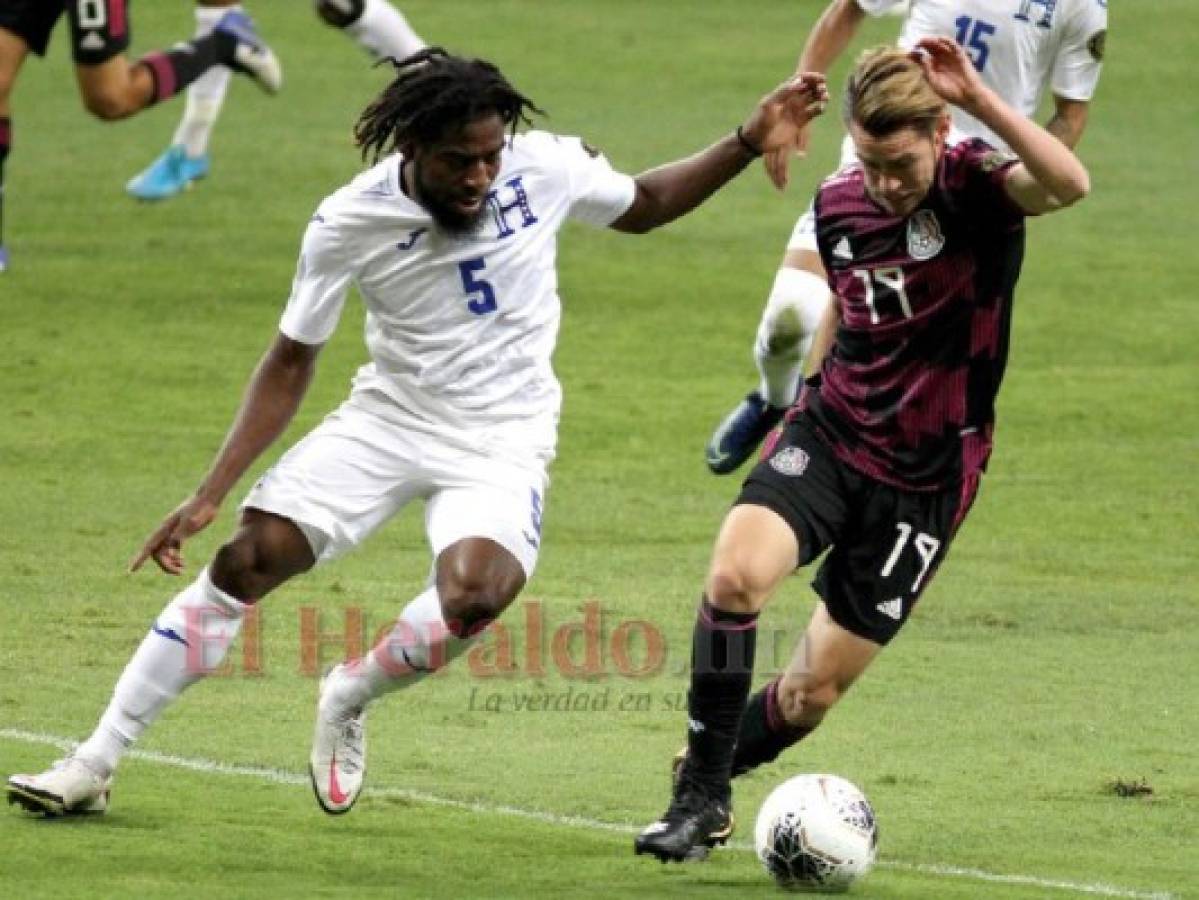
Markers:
point(892, 608)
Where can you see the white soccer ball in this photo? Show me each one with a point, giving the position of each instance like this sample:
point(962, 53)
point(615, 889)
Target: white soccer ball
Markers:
point(816, 833)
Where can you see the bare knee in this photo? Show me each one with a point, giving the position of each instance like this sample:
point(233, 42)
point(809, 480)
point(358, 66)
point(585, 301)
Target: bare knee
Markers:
point(259, 558)
point(109, 105)
point(239, 569)
point(477, 579)
point(805, 699)
point(733, 589)
point(473, 596)
point(470, 603)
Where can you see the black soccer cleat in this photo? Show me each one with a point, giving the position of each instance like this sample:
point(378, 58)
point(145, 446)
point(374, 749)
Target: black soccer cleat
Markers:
point(676, 766)
point(739, 434)
point(694, 823)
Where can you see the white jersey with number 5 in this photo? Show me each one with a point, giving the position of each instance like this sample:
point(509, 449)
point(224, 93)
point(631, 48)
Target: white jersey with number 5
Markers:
point(460, 329)
point(1020, 47)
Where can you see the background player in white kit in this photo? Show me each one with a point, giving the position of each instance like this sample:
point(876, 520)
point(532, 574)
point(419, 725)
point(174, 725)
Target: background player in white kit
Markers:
point(1020, 48)
point(451, 243)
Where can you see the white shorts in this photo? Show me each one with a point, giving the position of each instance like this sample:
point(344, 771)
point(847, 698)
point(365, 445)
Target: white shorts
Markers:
point(356, 470)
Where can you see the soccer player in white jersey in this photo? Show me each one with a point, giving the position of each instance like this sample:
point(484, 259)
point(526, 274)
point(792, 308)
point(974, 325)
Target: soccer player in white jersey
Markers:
point(375, 25)
point(451, 242)
point(1020, 48)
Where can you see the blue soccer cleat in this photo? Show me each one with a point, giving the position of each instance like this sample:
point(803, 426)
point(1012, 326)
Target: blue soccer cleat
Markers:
point(737, 437)
point(3, 258)
point(170, 174)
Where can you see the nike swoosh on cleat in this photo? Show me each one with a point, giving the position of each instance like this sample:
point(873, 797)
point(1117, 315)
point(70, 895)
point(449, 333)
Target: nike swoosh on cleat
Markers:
point(335, 792)
point(723, 834)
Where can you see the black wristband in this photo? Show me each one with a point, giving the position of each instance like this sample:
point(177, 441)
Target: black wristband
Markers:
point(744, 141)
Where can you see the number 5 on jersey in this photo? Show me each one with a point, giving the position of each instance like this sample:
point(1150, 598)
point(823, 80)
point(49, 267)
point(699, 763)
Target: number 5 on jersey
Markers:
point(479, 291)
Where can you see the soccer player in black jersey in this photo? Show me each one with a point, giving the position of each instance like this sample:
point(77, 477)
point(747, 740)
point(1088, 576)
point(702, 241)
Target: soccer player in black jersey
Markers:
point(881, 457)
point(112, 86)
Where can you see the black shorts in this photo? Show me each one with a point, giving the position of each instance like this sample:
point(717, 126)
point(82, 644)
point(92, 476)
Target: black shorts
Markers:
point(886, 542)
point(99, 28)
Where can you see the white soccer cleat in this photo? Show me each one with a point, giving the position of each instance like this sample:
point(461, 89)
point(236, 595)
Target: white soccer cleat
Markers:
point(69, 787)
point(252, 56)
point(338, 761)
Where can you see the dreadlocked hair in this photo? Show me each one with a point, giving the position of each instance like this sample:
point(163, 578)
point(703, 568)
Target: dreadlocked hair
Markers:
point(434, 92)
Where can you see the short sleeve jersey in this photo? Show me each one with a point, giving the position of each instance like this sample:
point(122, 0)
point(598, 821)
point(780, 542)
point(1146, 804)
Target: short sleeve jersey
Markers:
point(925, 306)
point(460, 329)
point(1020, 47)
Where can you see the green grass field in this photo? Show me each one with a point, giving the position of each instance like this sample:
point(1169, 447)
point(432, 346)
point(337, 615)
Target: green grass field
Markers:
point(1056, 653)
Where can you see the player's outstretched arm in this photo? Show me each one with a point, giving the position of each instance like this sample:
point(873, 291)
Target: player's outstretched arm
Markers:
point(271, 400)
point(669, 191)
point(1049, 175)
point(830, 36)
point(825, 43)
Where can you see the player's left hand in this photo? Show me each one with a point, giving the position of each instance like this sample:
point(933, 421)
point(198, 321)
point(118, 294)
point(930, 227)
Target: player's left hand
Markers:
point(949, 71)
point(777, 126)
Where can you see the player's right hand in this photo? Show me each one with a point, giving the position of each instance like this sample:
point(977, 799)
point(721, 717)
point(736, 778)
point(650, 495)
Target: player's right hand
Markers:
point(949, 71)
point(165, 542)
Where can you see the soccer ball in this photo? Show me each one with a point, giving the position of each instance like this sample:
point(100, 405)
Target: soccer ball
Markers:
point(816, 833)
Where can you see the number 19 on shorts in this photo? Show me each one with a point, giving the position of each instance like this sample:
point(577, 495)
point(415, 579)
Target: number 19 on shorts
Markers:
point(925, 546)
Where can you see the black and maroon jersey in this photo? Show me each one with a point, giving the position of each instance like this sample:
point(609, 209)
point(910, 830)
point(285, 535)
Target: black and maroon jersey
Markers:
point(907, 392)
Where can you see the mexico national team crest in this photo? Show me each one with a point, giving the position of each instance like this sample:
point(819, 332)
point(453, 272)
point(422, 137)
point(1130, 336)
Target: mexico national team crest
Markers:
point(790, 461)
point(925, 239)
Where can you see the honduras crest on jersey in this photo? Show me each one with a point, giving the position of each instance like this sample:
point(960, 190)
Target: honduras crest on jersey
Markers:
point(925, 238)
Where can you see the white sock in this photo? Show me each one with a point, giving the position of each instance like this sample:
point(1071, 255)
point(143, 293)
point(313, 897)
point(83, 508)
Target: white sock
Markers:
point(797, 302)
point(163, 665)
point(419, 644)
point(206, 94)
point(382, 30)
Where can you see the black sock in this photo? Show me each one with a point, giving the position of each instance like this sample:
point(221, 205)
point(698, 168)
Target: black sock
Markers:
point(764, 732)
point(173, 70)
point(722, 665)
point(5, 143)
point(343, 14)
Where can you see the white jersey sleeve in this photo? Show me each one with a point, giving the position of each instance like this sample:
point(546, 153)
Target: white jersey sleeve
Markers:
point(1076, 67)
point(598, 193)
point(318, 291)
point(880, 7)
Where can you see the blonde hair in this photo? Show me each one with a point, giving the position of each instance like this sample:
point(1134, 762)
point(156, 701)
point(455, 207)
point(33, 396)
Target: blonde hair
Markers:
point(887, 91)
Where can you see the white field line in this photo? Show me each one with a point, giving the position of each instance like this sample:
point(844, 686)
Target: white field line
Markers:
point(280, 776)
